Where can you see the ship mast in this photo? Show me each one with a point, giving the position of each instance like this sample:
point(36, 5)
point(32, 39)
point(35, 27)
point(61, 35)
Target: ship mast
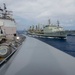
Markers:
point(5, 11)
point(49, 22)
point(5, 14)
point(58, 23)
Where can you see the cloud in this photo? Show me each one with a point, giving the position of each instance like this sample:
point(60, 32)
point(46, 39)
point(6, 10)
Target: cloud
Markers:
point(36, 11)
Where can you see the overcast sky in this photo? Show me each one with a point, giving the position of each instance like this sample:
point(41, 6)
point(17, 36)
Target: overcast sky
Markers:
point(33, 12)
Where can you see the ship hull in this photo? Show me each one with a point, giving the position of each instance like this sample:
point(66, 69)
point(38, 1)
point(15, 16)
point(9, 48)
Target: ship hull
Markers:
point(61, 34)
point(56, 34)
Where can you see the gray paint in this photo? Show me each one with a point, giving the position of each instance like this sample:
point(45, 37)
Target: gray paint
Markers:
point(7, 23)
point(38, 58)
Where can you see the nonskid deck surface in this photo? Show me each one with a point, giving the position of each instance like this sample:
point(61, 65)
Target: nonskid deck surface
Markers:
point(38, 58)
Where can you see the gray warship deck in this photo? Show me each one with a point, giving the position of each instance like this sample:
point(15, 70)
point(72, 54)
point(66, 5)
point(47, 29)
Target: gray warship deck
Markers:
point(38, 58)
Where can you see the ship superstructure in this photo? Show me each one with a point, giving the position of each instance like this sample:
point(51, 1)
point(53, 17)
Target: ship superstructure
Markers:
point(7, 23)
point(54, 30)
point(9, 38)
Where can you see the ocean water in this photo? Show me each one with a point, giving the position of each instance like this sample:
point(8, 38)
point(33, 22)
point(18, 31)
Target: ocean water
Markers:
point(66, 45)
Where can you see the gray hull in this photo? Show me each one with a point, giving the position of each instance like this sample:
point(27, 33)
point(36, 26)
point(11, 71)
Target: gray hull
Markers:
point(56, 34)
point(61, 34)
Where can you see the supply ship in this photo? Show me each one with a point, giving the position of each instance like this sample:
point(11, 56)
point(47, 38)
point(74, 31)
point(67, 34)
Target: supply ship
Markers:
point(49, 30)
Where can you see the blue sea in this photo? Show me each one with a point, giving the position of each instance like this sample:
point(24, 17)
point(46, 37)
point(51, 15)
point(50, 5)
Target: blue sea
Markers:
point(66, 45)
